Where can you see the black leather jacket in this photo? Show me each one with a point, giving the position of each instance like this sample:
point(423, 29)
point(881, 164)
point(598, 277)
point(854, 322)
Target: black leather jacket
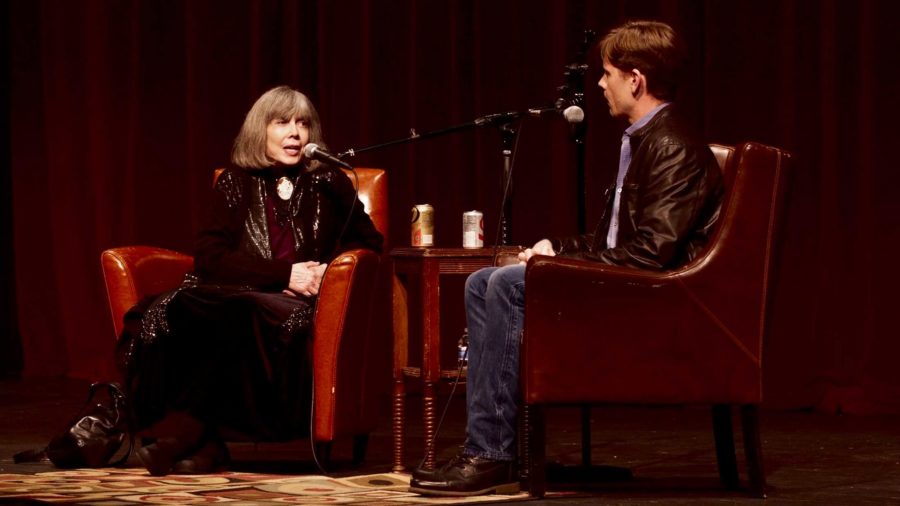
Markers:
point(670, 202)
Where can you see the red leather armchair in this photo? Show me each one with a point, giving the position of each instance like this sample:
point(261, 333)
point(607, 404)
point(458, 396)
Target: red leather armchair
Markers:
point(343, 332)
point(598, 334)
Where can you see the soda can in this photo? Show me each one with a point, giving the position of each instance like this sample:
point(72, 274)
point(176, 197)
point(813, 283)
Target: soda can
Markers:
point(422, 225)
point(473, 230)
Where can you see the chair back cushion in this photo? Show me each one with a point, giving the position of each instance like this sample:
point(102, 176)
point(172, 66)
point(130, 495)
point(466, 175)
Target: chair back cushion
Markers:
point(724, 156)
point(134, 272)
point(373, 193)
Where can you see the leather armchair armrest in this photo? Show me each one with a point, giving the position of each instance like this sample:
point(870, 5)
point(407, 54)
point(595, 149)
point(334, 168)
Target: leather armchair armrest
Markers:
point(547, 268)
point(341, 323)
point(133, 272)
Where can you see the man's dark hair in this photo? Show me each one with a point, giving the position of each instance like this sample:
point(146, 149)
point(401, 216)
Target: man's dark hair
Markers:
point(651, 47)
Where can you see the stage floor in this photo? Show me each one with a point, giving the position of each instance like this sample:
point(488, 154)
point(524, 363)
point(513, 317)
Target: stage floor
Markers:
point(810, 458)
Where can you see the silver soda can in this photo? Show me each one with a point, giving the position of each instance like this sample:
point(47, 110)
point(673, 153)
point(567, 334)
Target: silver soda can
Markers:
point(422, 225)
point(473, 230)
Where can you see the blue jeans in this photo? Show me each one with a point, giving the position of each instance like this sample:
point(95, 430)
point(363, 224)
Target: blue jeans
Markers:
point(495, 314)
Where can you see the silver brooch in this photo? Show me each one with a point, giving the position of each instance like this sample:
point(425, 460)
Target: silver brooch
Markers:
point(285, 188)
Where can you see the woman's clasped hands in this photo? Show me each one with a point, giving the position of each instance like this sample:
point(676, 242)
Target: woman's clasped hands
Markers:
point(306, 277)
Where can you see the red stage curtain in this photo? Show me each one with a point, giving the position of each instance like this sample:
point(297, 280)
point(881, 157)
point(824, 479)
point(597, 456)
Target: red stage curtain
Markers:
point(120, 110)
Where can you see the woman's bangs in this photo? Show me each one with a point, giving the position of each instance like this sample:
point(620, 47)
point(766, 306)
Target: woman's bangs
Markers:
point(288, 106)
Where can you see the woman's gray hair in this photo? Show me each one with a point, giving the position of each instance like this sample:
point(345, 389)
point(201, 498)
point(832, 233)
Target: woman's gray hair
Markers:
point(249, 150)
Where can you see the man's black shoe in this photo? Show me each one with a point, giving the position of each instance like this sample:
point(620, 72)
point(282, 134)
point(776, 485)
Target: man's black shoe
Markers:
point(465, 475)
point(422, 474)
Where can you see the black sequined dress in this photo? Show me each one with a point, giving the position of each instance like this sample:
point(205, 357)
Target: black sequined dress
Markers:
point(228, 347)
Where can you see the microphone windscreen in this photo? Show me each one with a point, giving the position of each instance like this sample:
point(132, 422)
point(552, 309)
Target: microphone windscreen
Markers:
point(309, 151)
point(574, 114)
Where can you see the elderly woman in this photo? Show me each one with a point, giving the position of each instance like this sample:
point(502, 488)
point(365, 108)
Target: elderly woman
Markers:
point(228, 351)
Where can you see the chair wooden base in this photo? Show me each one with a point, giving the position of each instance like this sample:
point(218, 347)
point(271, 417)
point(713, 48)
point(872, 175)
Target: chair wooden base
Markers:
point(536, 473)
point(360, 447)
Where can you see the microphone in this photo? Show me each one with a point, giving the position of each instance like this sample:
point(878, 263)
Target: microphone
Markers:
point(314, 152)
point(573, 114)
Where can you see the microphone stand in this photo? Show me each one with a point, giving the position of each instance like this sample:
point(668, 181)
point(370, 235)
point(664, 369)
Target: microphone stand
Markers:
point(491, 119)
point(508, 134)
point(572, 92)
point(579, 132)
point(507, 144)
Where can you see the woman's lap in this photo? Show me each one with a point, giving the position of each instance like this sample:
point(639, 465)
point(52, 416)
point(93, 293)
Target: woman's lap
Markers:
point(229, 359)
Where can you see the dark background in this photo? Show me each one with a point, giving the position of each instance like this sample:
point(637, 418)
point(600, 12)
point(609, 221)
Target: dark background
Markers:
point(116, 112)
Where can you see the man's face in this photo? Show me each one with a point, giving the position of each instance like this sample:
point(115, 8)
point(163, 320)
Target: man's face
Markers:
point(618, 90)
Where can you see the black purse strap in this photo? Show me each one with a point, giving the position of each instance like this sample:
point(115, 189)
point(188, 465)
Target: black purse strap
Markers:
point(31, 456)
point(122, 408)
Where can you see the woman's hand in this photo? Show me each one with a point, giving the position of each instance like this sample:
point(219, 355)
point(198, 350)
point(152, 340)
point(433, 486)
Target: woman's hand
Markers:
point(306, 277)
point(542, 247)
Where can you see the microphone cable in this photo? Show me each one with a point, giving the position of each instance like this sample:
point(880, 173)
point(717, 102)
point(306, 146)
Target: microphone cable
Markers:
point(461, 362)
point(340, 236)
point(312, 402)
point(315, 308)
point(506, 194)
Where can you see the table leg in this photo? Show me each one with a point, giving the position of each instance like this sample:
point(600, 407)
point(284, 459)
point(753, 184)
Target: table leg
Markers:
point(431, 351)
point(429, 416)
point(398, 427)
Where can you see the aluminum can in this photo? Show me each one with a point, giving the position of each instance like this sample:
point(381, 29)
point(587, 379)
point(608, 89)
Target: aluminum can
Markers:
point(473, 230)
point(422, 224)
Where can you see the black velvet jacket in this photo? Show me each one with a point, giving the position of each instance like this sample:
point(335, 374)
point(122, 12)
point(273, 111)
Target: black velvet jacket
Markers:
point(233, 248)
point(670, 202)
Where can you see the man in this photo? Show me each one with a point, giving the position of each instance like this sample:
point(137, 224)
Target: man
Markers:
point(659, 214)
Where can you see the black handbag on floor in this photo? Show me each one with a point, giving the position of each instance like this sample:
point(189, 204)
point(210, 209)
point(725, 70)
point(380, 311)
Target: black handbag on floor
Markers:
point(94, 436)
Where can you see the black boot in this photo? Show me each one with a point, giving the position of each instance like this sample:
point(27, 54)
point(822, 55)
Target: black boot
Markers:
point(211, 457)
point(179, 435)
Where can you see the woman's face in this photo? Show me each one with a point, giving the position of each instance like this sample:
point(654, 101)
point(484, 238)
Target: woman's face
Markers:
point(285, 138)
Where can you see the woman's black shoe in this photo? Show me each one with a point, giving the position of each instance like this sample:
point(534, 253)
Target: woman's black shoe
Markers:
point(212, 456)
point(179, 435)
point(159, 457)
point(466, 475)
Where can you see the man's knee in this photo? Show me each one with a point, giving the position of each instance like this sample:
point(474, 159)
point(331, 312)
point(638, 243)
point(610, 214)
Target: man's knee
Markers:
point(504, 278)
point(476, 283)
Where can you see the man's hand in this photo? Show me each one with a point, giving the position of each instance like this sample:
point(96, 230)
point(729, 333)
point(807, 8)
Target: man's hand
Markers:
point(306, 277)
point(542, 247)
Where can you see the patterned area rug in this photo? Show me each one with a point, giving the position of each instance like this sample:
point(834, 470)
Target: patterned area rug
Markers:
point(113, 486)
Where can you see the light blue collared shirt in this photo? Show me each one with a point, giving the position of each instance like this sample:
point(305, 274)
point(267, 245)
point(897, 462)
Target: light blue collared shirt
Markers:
point(624, 162)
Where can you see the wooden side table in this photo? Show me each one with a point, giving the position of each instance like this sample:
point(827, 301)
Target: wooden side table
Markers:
point(420, 269)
